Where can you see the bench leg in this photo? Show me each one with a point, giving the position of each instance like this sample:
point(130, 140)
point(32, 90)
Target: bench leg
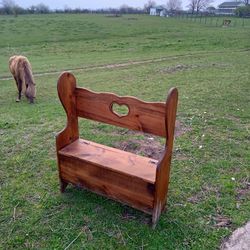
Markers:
point(63, 185)
point(156, 214)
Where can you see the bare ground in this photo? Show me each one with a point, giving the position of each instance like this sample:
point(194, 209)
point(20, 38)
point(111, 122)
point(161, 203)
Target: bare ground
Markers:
point(149, 145)
point(125, 64)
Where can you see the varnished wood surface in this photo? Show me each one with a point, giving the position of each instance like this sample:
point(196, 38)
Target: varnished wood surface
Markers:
point(148, 117)
point(138, 181)
point(66, 88)
point(112, 158)
point(163, 169)
point(119, 186)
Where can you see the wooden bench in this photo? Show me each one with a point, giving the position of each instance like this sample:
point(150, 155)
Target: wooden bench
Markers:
point(137, 181)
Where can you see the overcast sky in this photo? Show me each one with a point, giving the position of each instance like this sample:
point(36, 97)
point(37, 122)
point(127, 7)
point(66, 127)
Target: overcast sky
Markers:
point(94, 4)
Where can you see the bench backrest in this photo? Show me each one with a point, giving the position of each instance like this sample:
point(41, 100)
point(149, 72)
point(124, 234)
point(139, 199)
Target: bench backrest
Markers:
point(156, 118)
point(142, 116)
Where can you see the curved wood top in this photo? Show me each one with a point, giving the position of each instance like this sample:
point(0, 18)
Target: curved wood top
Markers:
point(148, 117)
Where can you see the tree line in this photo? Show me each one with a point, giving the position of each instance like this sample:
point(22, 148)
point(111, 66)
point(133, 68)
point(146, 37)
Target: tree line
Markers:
point(9, 7)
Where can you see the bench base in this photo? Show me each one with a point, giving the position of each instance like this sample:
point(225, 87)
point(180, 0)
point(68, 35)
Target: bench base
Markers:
point(119, 175)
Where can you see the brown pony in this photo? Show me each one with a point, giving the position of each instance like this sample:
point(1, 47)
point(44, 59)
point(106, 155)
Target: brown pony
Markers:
point(20, 68)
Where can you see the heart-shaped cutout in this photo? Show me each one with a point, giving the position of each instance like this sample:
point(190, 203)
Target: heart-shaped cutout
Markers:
point(119, 110)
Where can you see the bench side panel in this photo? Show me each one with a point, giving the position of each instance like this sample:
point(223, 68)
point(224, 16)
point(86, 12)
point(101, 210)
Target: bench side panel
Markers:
point(163, 169)
point(66, 88)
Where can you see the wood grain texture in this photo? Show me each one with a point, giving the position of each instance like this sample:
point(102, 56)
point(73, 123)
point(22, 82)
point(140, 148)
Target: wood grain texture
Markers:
point(163, 168)
point(114, 159)
point(66, 91)
point(138, 181)
point(119, 186)
point(141, 115)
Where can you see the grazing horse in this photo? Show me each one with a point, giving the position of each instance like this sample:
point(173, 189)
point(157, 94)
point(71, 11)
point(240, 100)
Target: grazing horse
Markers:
point(21, 70)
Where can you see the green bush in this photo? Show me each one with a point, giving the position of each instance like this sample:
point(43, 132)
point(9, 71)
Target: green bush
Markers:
point(243, 11)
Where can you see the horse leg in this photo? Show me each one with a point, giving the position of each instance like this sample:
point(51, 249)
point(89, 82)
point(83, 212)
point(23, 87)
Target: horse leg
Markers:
point(19, 87)
point(16, 82)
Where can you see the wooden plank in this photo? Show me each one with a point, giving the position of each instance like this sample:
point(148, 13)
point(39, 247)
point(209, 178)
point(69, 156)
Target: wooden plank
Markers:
point(66, 87)
point(163, 169)
point(121, 187)
point(114, 159)
point(148, 117)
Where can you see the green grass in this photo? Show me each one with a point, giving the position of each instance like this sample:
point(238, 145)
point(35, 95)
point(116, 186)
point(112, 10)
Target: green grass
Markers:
point(210, 67)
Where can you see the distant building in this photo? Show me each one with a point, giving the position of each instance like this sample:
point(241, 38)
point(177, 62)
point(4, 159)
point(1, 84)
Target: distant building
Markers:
point(158, 11)
point(210, 10)
point(228, 8)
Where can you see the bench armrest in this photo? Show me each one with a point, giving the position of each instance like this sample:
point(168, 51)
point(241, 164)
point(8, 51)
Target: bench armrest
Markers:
point(163, 168)
point(66, 91)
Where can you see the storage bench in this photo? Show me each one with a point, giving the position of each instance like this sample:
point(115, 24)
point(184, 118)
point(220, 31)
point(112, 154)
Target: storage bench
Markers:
point(137, 181)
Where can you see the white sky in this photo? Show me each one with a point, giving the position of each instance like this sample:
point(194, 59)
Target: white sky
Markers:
point(95, 4)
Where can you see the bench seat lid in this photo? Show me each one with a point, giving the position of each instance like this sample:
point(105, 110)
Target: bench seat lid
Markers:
point(115, 159)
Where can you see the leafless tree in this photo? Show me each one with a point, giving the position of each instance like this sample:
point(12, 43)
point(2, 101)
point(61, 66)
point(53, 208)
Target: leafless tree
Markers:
point(9, 6)
point(148, 5)
point(202, 4)
point(42, 8)
point(192, 5)
point(174, 5)
point(246, 2)
point(198, 5)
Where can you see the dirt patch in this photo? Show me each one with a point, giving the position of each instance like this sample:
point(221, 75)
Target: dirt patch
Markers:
point(244, 191)
point(205, 192)
point(196, 198)
point(33, 199)
point(126, 64)
point(181, 129)
point(222, 221)
point(148, 145)
point(129, 214)
point(183, 67)
point(176, 68)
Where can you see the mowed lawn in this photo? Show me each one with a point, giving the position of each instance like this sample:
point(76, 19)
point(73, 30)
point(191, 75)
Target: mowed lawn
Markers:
point(141, 56)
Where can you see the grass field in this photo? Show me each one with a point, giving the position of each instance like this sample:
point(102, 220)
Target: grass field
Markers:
point(209, 189)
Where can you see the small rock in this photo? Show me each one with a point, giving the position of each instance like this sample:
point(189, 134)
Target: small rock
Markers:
point(239, 240)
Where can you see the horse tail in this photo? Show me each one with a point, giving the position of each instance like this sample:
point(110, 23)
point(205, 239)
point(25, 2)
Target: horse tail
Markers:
point(29, 81)
point(12, 65)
